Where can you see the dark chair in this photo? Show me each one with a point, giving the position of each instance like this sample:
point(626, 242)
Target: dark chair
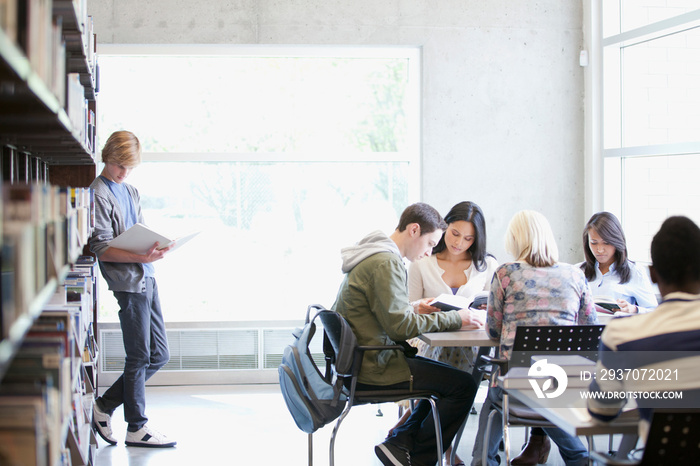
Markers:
point(530, 341)
point(359, 397)
point(673, 439)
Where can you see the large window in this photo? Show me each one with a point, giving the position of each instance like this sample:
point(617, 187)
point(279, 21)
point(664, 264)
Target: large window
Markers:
point(279, 156)
point(651, 115)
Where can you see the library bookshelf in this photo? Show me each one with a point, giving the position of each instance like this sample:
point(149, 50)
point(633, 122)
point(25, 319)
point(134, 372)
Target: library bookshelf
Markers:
point(48, 352)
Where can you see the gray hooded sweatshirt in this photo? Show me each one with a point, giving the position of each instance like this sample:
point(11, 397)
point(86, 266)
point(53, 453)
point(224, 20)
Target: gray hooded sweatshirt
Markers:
point(373, 298)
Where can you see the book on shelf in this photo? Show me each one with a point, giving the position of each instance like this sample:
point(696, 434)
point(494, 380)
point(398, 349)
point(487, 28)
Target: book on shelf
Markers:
point(140, 238)
point(19, 256)
point(29, 413)
point(8, 19)
point(24, 433)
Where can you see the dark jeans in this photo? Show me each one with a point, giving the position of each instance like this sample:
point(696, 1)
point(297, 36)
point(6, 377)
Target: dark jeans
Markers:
point(457, 390)
point(146, 348)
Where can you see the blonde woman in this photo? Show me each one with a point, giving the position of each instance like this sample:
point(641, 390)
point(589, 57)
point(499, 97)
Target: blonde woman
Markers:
point(536, 289)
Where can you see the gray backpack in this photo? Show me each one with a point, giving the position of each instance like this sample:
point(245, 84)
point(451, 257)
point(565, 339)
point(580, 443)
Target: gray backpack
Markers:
point(315, 399)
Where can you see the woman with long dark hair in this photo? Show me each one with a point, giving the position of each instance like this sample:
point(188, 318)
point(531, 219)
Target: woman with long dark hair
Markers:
point(609, 271)
point(459, 265)
point(612, 275)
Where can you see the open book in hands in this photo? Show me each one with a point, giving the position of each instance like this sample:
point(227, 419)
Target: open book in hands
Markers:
point(606, 304)
point(139, 239)
point(450, 302)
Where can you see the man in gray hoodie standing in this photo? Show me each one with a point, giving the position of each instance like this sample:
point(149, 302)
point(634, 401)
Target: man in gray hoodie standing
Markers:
point(373, 298)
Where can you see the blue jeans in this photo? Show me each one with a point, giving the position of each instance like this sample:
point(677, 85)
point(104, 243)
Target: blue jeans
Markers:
point(457, 390)
point(571, 448)
point(146, 348)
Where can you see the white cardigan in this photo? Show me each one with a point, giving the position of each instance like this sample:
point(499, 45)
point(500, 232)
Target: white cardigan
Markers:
point(425, 279)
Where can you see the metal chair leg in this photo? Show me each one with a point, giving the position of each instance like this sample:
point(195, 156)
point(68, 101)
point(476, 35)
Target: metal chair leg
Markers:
point(487, 435)
point(311, 449)
point(438, 429)
point(331, 448)
point(458, 437)
point(506, 433)
point(591, 447)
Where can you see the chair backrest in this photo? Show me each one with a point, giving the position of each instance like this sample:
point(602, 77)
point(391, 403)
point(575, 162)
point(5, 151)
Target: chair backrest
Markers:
point(314, 399)
point(674, 439)
point(554, 339)
point(339, 335)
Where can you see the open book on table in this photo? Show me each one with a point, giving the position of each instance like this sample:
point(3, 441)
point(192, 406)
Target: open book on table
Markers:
point(139, 239)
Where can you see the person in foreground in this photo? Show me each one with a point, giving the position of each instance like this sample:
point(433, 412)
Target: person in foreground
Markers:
point(458, 265)
point(536, 289)
point(611, 274)
point(670, 334)
point(131, 278)
point(373, 298)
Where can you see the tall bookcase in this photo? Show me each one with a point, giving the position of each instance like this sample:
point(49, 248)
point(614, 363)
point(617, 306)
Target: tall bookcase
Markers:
point(48, 355)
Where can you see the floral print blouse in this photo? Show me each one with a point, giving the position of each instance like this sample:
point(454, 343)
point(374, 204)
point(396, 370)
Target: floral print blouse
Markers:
point(522, 294)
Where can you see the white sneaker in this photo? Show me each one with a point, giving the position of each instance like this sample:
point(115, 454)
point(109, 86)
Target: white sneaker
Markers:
point(103, 424)
point(147, 437)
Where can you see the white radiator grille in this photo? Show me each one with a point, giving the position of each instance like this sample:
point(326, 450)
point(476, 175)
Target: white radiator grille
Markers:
point(203, 349)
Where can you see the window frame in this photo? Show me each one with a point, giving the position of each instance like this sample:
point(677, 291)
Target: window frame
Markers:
point(604, 162)
point(413, 130)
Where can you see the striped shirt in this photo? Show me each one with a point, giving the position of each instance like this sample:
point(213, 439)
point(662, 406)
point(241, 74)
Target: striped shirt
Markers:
point(654, 352)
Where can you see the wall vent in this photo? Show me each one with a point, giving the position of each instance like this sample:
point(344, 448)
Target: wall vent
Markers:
point(212, 349)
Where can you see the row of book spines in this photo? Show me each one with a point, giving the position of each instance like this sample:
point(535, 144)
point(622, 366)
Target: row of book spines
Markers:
point(40, 202)
point(33, 431)
point(47, 362)
point(39, 28)
point(52, 355)
point(33, 257)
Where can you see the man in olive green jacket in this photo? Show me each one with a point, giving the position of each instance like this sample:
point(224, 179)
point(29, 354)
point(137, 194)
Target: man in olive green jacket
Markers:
point(373, 298)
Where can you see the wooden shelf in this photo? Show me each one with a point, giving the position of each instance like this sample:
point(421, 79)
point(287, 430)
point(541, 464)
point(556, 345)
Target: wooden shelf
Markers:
point(48, 88)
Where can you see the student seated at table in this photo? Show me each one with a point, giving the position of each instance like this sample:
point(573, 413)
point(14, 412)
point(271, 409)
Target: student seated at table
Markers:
point(373, 298)
point(609, 273)
point(608, 270)
point(674, 326)
point(458, 265)
point(535, 289)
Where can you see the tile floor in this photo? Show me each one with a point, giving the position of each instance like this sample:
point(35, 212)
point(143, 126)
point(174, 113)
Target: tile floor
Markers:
point(250, 424)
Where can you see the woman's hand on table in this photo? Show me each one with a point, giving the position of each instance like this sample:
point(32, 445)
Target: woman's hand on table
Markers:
point(471, 320)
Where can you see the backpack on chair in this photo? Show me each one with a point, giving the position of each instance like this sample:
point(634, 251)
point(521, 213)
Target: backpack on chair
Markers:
point(315, 399)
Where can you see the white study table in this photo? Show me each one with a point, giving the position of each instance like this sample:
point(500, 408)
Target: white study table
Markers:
point(459, 338)
point(463, 338)
point(574, 418)
point(474, 337)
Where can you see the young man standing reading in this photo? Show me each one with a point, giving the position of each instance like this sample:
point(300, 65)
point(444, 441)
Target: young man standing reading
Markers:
point(373, 298)
point(131, 278)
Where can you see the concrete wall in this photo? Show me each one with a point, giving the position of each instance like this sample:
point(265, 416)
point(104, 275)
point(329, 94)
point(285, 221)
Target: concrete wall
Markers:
point(502, 117)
